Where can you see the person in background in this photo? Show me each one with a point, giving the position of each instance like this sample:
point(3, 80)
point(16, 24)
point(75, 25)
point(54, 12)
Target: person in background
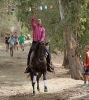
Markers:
point(86, 66)
point(7, 36)
point(21, 39)
point(11, 42)
point(38, 35)
point(16, 41)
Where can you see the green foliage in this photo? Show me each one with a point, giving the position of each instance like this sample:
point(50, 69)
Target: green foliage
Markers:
point(7, 19)
point(50, 19)
point(76, 14)
point(84, 27)
point(77, 17)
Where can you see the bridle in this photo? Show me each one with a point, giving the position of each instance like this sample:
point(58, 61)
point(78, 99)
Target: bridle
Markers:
point(41, 52)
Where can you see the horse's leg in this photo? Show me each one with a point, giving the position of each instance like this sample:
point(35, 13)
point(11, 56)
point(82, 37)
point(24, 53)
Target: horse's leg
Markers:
point(32, 75)
point(44, 79)
point(33, 83)
point(38, 76)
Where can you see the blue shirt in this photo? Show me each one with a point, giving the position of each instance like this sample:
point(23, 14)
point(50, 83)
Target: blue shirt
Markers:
point(11, 40)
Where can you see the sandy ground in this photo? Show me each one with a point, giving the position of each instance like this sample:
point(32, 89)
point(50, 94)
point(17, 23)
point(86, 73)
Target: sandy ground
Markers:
point(14, 84)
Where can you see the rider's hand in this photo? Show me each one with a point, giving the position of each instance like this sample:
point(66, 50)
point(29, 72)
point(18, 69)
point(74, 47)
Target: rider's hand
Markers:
point(35, 14)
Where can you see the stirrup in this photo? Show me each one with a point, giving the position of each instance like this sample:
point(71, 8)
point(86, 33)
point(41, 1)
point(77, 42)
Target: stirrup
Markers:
point(50, 69)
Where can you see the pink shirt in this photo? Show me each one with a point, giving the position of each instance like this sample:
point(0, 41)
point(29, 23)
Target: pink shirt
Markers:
point(38, 31)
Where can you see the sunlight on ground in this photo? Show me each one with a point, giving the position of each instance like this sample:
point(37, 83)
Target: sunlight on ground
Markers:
point(28, 41)
point(13, 81)
point(57, 64)
point(54, 85)
point(1, 47)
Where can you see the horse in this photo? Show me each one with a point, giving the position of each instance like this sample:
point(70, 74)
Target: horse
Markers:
point(39, 66)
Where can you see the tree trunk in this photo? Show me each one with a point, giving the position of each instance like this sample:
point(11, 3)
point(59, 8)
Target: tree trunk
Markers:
point(73, 57)
point(65, 60)
point(70, 53)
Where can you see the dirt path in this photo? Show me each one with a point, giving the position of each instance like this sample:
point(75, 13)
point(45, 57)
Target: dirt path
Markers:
point(14, 84)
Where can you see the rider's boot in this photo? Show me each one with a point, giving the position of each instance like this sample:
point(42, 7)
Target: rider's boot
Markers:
point(28, 69)
point(49, 67)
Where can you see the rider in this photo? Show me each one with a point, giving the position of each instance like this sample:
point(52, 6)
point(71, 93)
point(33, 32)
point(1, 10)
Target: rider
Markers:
point(38, 35)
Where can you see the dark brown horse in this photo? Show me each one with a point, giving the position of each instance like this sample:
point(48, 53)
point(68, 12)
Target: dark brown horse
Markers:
point(39, 64)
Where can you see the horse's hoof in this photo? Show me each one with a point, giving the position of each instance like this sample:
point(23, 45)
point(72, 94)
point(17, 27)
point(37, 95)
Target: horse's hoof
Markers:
point(34, 93)
point(45, 89)
point(38, 90)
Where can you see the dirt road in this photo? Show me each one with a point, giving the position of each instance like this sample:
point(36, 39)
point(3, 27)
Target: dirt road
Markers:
point(14, 84)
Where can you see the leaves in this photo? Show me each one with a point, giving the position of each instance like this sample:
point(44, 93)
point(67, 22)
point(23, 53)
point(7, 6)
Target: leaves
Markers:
point(76, 17)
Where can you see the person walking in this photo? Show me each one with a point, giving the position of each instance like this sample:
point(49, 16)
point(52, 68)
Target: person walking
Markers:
point(7, 36)
point(11, 42)
point(21, 39)
point(86, 66)
point(16, 41)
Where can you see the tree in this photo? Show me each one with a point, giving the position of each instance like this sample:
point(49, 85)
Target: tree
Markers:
point(7, 19)
point(50, 19)
point(74, 19)
point(70, 16)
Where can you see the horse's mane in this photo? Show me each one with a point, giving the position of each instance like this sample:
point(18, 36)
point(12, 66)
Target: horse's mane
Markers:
point(37, 47)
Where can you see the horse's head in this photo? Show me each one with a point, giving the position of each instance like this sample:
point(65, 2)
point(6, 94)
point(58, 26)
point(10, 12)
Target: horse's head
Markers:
point(41, 50)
